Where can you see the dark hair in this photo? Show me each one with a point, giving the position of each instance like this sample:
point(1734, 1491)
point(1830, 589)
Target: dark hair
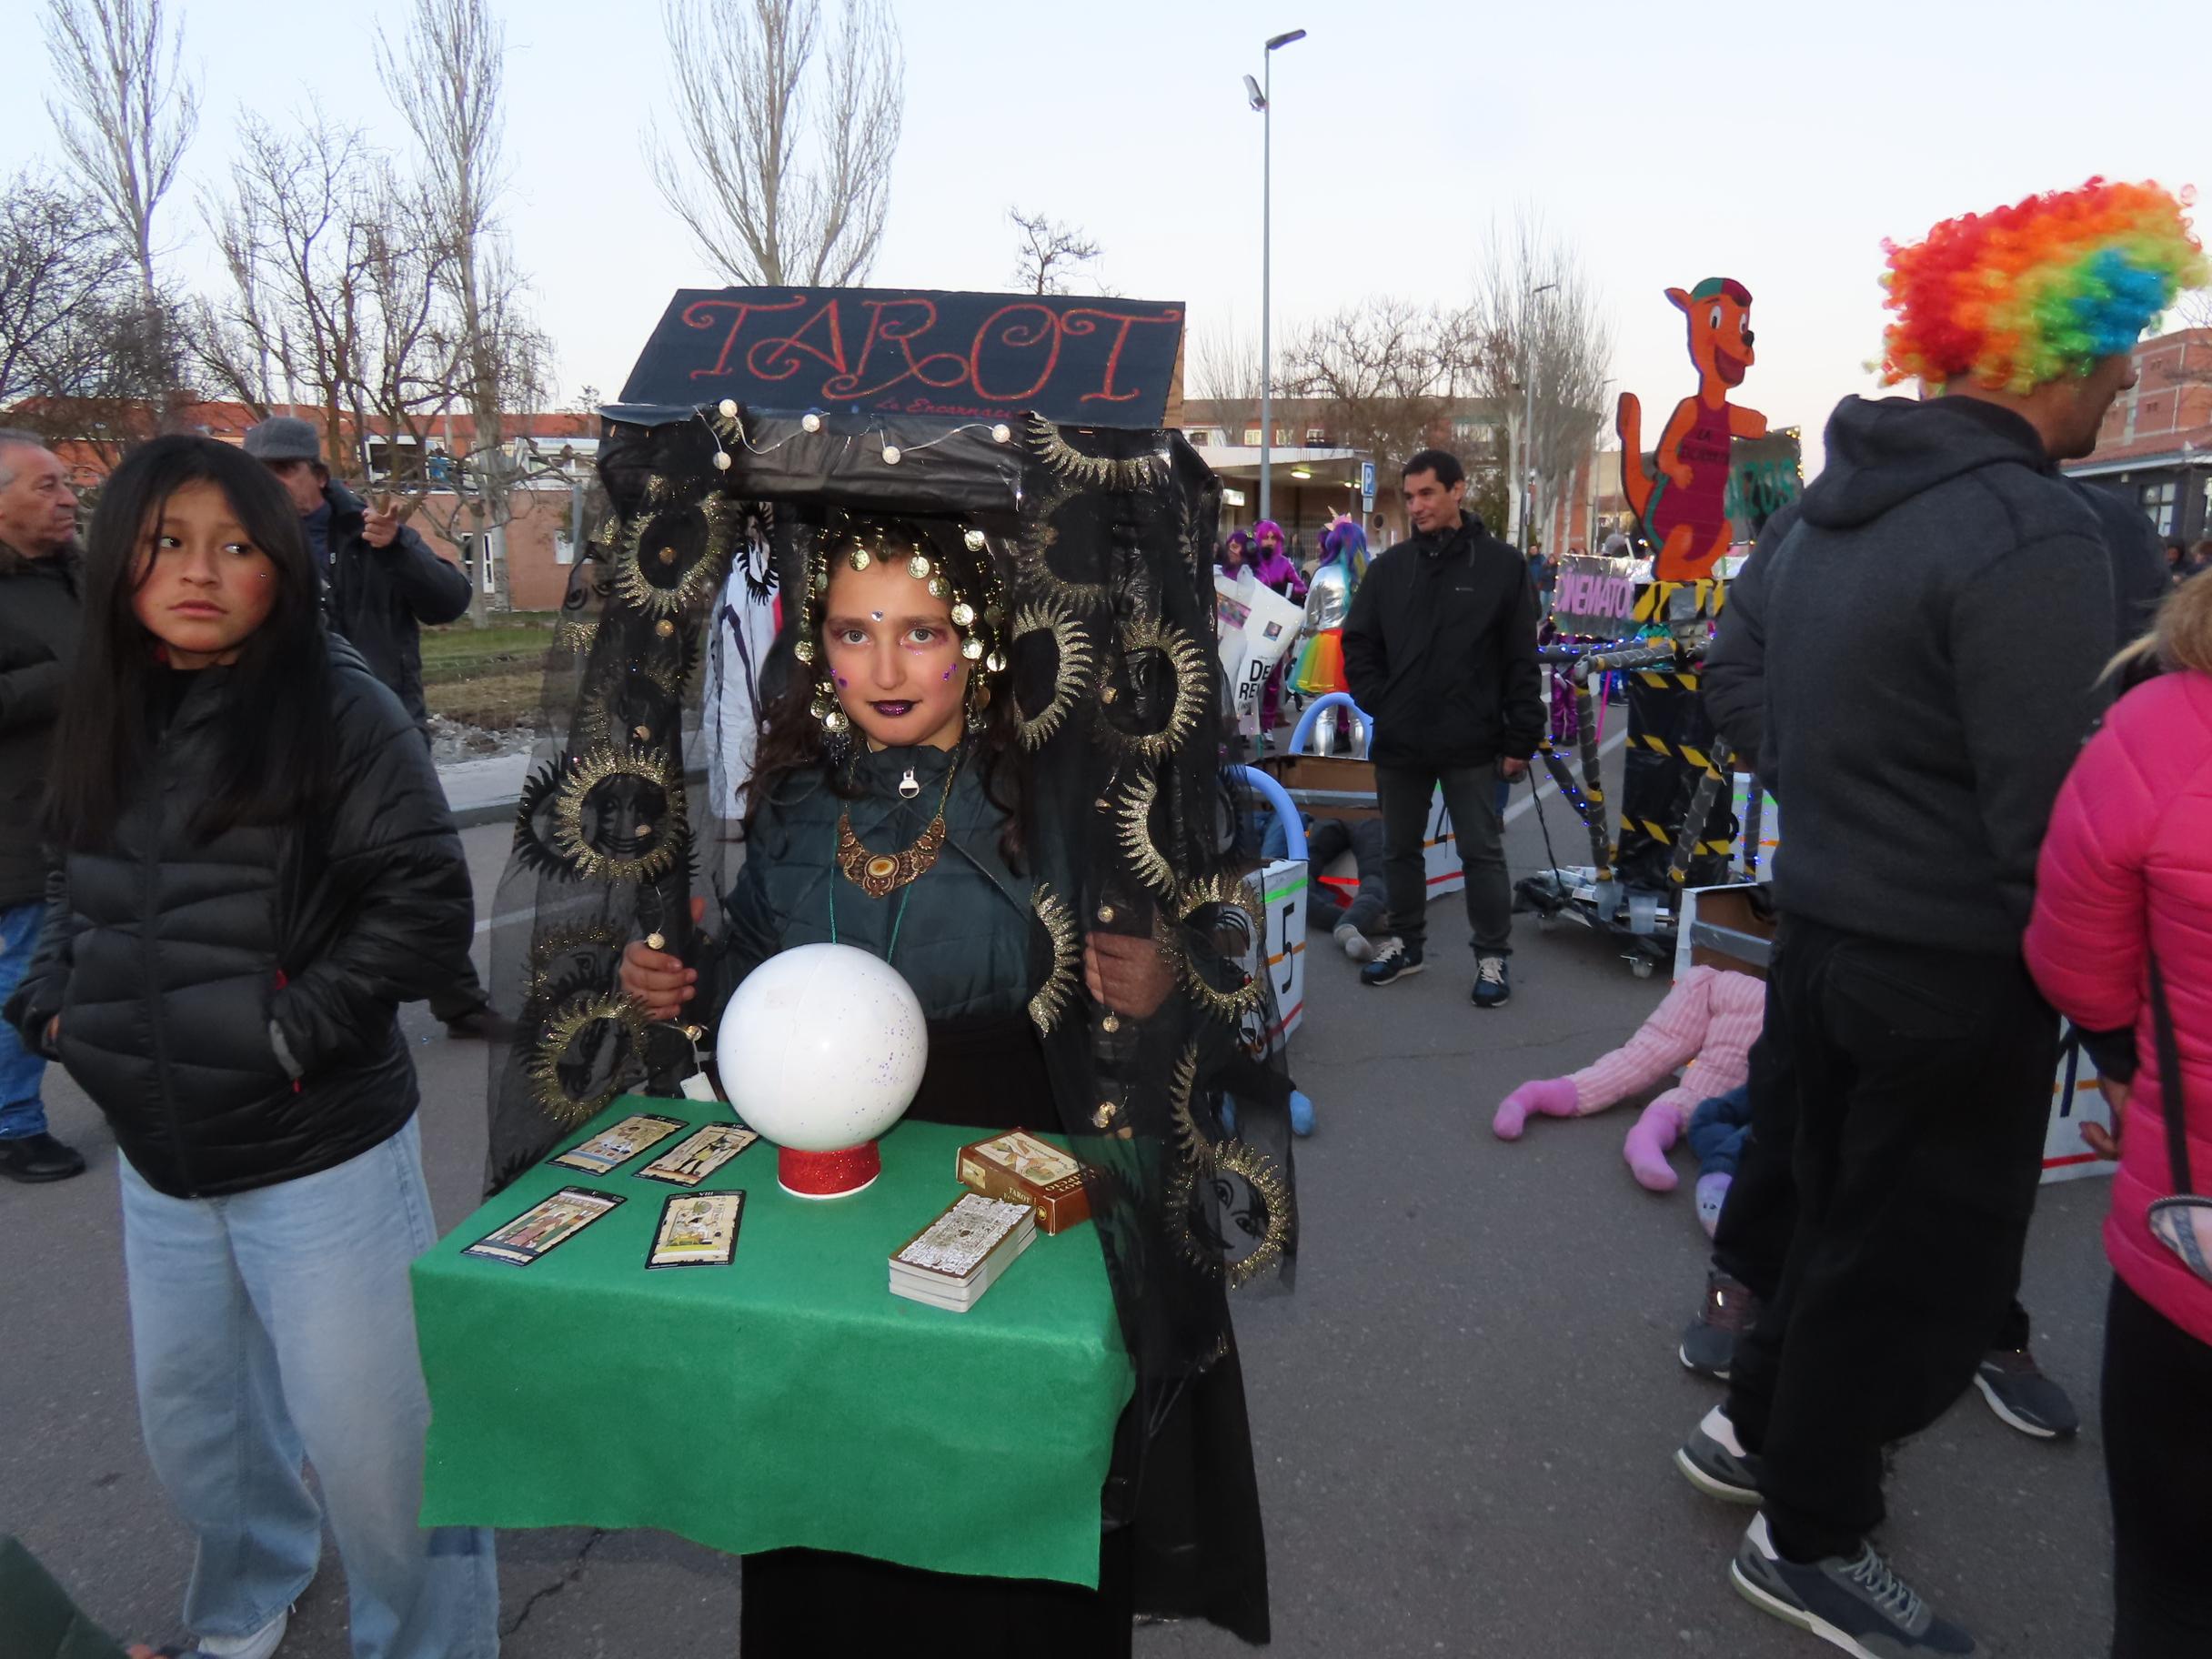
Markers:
point(273, 759)
point(791, 739)
point(1442, 462)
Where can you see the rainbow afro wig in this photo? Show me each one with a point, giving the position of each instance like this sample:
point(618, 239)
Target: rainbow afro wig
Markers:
point(2024, 295)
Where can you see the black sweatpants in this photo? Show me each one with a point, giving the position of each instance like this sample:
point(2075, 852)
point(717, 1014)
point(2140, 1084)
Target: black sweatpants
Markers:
point(2157, 1421)
point(1753, 1240)
point(1478, 830)
point(1922, 1079)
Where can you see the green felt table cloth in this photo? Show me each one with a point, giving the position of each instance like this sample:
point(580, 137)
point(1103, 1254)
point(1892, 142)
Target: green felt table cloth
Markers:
point(788, 1399)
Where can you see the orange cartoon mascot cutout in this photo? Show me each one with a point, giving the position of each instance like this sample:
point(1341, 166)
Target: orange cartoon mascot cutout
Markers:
point(1684, 510)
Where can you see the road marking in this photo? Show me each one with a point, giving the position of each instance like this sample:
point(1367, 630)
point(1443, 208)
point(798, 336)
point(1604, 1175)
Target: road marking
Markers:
point(1550, 788)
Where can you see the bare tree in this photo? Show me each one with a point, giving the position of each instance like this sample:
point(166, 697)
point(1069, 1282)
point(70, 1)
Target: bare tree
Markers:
point(1533, 340)
point(57, 261)
point(789, 141)
point(1225, 363)
point(1382, 368)
point(446, 79)
point(1048, 252)
point(83, 354)
point(294, 236)
point(125, 110)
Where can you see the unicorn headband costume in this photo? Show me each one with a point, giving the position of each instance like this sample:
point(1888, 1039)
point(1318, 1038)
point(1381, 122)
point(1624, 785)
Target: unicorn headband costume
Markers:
point(2043, 289)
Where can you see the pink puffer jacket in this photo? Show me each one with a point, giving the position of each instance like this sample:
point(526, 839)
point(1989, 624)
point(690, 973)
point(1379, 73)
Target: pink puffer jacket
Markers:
point(2129, 862)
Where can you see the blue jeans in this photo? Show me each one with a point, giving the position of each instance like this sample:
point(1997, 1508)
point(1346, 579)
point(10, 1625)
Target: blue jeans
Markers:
point(21, 1110)
point(276, 1324)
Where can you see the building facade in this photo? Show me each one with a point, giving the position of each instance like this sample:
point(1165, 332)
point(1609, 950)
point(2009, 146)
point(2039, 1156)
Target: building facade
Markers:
point(2156, 448)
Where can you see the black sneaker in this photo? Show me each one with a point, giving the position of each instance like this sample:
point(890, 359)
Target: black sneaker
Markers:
point(2023, 1397)
point(1392, 961)
point(1716, 1462)
point(1708, 1346)
point(1492, 988)
point(1858, 1604)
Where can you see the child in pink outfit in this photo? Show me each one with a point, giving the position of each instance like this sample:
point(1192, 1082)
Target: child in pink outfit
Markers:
point(1708, 1024)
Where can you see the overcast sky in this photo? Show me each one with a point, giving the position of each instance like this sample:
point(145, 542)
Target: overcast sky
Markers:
point(1777, 145)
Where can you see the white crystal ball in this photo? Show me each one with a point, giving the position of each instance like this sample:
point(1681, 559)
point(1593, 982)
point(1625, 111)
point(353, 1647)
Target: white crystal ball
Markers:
point(822, 1048)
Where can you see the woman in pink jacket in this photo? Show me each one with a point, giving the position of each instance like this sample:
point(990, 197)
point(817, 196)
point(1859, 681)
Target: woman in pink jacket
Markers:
point(2126, 878)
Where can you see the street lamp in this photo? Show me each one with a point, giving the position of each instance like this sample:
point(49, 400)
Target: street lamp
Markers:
point(1259, 94)
point(1528, 425)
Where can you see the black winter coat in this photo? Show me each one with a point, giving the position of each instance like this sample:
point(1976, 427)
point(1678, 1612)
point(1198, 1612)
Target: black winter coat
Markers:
point(1441, 649)
point(380, 598)
point(39, 614)
point(231, 1004)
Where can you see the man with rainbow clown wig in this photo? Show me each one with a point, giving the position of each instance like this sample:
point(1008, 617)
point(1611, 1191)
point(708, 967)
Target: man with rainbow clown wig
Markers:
point(1936, 628)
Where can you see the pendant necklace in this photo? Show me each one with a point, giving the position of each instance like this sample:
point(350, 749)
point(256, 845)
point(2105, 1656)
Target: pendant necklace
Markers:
point(878, 874)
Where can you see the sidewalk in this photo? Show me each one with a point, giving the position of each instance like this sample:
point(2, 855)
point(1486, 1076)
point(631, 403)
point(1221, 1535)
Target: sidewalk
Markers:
point(483, 791)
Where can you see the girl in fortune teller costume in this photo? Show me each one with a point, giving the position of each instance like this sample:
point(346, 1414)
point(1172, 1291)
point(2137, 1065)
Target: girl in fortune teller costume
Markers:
point(987, 790)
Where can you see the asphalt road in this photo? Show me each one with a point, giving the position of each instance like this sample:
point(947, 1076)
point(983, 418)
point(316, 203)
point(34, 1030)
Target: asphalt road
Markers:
point(1465, 1415)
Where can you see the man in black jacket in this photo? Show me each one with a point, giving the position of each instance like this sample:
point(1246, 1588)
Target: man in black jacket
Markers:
point(1440, 649)
point(1935, 628)
point(383, 583)
point(38, 627)
point(381, 586)
point(1761, 1212)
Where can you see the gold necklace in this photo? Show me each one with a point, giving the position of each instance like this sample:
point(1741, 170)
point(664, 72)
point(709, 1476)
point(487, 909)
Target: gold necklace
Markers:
point(880, 873)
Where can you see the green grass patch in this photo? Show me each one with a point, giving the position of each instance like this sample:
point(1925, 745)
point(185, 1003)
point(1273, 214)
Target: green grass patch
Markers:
point(457, 651)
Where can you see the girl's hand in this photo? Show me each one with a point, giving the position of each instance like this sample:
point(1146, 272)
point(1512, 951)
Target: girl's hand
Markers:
point(658, 982)
point(1127, 975)
point(54, 1032)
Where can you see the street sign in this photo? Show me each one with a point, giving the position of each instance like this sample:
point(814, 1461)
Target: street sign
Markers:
point(1367, 486)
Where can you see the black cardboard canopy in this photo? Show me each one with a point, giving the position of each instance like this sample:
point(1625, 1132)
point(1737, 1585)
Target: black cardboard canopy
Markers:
point(907, 352)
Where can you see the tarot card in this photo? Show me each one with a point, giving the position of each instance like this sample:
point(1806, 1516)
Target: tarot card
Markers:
point(550, 1222)
point(618, 1144)
point(696, 1156)
point(697, 1230)
point(956, 1244)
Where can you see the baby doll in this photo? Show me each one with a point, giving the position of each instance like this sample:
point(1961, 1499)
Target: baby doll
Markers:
point(1708, 1021)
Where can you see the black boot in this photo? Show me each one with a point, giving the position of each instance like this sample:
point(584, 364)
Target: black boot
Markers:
point(39, 1157)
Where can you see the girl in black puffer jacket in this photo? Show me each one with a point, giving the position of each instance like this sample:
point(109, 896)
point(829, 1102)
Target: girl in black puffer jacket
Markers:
point(257, 868)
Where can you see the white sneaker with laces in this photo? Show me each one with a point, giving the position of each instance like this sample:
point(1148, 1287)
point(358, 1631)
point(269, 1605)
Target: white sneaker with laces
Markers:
point(260, 1645)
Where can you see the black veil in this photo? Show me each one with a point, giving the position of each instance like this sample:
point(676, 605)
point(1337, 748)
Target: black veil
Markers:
point(1103, 538)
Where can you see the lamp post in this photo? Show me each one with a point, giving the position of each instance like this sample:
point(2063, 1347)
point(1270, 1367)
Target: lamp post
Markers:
point(1528, 425)
point(1259, 96)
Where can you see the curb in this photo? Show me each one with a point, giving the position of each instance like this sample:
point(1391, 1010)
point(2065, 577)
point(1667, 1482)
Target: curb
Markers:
point(502, 810)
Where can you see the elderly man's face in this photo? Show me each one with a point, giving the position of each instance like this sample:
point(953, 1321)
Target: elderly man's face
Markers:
point(303, 481)
point(37, 507)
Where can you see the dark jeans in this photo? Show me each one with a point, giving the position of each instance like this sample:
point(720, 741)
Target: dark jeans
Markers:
point(1753, 1240)
point(1470, 796)
point(1922, 1079)
point(2157, 1421)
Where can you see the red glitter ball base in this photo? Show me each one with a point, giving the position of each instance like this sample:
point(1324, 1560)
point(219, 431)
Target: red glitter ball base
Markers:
point(828, 1174)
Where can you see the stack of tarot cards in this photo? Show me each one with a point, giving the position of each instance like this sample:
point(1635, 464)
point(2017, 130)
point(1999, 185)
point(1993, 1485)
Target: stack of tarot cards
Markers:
point(955, 1258)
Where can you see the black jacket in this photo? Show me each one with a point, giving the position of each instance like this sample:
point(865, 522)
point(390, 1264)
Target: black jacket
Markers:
point(379, 598)
point(1735, 679)
point(1934, 631)
point(39, 614)
point(230, 1004)
point(1733, 682)
point(1441, 649)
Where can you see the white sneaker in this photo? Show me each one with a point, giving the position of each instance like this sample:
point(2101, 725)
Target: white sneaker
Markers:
point(258, 1645)
point(1355, 943)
